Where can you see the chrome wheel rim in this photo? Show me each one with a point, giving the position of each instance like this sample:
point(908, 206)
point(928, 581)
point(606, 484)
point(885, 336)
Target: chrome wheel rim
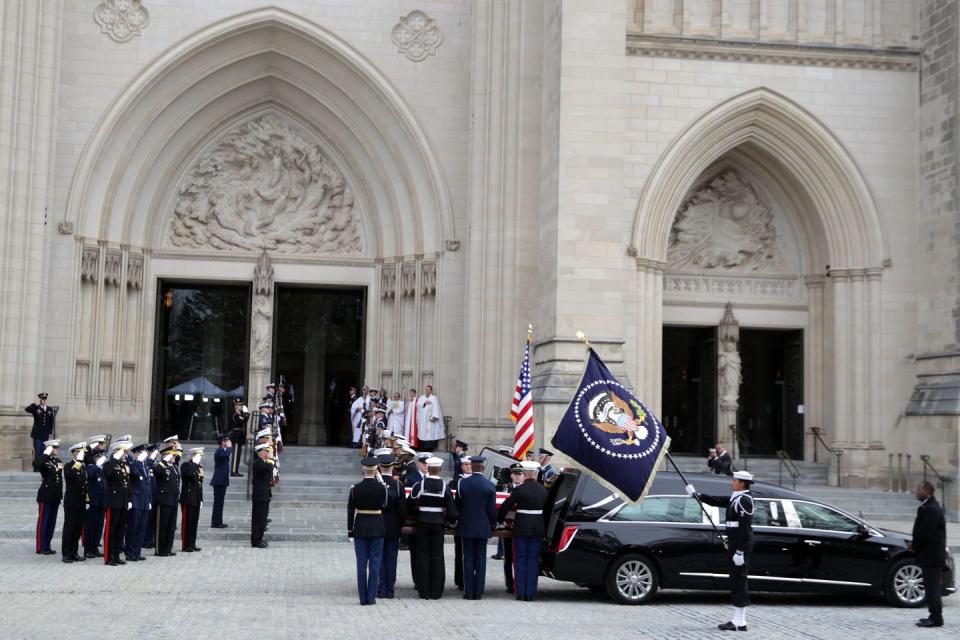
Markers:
point(908, 584)
point(634, 580)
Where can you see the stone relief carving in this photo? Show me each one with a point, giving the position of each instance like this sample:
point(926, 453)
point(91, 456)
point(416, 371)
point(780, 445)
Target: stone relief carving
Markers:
point(262, 330)
point(408, 279)
point(122, 20)
point(135, 273)
point(451, 245)
point(388, 278)
point(264, 186)
point(263, 276)
point(428, 277)
point(65, 228)
point(732, 286)
point(89, 264)
point(728, 360)
point(416, 36)
point(724, 226)
point(111, 269)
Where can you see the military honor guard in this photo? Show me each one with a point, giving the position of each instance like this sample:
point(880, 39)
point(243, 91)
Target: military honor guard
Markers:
point(465, 468)
point(527, 501)
point(433, 504)
point(477, 507)
point(365, 504)
point(44, 427)
point(75, 500)
point(96, 489)
point(141, 500)
point(547, 473)
point(238, 433)
point(150, 531)
point(516, 479)
point(191, 497)
point(221, 478)
point(116, 502)
point(263, 466)
point(459, 452)
point(394, 514)
point(167, 497)
point(49, 495)
point(739, 525)
point(929, 545)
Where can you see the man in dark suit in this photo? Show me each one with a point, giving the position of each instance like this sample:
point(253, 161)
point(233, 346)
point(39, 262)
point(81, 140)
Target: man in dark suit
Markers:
point(393, 516)
point(141, 497)
point(74, 503)
point(929, 545)
point(49, 495)
point(167, 496)
point(477, 504)
point(720, 461)
point(44, 427)
point(221, 479)
point(191, 497)
point(263, 466)
point(365, 506)
point(528, 502)
point(116, 502)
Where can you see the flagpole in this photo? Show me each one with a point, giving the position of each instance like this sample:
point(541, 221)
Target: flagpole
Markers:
point(696, 497)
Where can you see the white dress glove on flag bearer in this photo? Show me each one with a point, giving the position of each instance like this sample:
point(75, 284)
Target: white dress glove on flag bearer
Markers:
point(738, 558)
point(47, 451)
point(690, 490)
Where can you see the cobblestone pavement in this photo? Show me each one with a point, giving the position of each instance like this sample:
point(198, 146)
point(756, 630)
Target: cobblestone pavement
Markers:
point(308, 590)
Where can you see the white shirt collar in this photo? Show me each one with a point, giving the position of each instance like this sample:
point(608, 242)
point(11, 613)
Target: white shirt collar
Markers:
point(739, 493)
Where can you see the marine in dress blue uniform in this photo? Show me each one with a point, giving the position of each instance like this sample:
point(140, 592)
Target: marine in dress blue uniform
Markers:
point(116, 502)
point(44, 423)
point(516, 479)
point(75, 501)
point(141, 498)
point(49, 495)
point(393, 516)
point(365, 504)
point(221, 479)
point(95, 458)
point(191, 497)
point(433, 503)
point(528, 502)
point(477, 505)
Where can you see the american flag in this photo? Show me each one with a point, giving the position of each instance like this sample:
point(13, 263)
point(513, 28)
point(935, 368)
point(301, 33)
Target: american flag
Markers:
point(521, 411)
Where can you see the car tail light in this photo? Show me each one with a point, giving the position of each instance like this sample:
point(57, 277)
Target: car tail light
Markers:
point(566, 538)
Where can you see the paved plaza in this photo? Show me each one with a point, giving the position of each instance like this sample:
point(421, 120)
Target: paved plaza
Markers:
point(308, 590)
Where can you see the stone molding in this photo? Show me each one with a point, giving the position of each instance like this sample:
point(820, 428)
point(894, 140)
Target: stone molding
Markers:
point(679, 284)
point(122, 20)
point(417, 36)
point(770, 53)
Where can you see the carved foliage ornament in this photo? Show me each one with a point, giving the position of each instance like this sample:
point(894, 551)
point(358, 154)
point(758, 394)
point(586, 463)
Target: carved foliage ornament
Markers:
point(111, 269)
point(417, 36)
point(388, 278)
point(265, 187)
point(724, 226)
point(122, 20)
point(89, 264)
point(135, 273)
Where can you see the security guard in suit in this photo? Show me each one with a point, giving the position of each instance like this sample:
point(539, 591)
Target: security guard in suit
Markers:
point(221, 478)
point(116, 501)
point(365, 504)
point(263, 466)
point(44, 426)
point(238, 433)
point(477, 505)
point(739, 525)
point(528, 502)
point(433, 503)
point(929, 544)
point(167, 496)
point(49, 495)
point(141, 498)
point(75, 501)
point(95, 458)
point(191, 497)
point(394, 515)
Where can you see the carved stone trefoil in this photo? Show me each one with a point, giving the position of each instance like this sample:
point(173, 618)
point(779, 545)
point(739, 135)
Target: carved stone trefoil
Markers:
point(89, 264)
point(266, 187)
point(122, 20)
point(417, 36)
point(65, 228)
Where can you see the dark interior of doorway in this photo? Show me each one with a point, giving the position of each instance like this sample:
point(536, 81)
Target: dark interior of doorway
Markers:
point(319, 351)
point(690, 387)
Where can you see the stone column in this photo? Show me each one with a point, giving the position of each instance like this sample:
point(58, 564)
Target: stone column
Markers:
point(813, 368)
point(647, 371)
point(261, 330)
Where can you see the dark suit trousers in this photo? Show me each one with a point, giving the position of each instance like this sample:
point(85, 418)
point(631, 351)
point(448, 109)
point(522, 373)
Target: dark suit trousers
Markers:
point(219, 495)
point(136, 527)
point(258, 521)
point(388, 567)
point(188, 525)
point(166, 527)
point(738, 583)
point(508, 564)
point(458, 562)
point(933, 585)
point(92, 529)
point(430, 569)
point(474, 565)
point(72, 525)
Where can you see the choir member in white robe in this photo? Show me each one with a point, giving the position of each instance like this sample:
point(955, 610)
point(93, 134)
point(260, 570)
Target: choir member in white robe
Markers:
point(429, 420)
point(395, 410)
point(410, 420)
point(356, 418)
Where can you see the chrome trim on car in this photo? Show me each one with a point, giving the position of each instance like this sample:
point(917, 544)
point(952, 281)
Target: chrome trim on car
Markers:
point(845, 583)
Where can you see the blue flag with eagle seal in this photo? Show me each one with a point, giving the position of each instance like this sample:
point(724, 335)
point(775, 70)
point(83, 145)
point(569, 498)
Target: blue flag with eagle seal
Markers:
point(611, 433)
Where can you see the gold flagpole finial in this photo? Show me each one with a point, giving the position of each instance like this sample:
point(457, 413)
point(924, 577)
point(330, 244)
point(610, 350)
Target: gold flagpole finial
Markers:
point(583, 337)
point(529, 330)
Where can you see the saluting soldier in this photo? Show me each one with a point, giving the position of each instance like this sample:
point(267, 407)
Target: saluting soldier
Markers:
point(365, 504)
point(116, 501)
point(433, 503)
point(527, 501)
point(739, 525)
point(477, 506)
point(191, 497)
point(96, 489)
point(49, 495)
point(75, 501)
point(141, 497)
point(394, 514)
point(150, 530)
point(221, 479)
point(238, 433)
point(168, 494)
point(44, 419)
point(263, 466)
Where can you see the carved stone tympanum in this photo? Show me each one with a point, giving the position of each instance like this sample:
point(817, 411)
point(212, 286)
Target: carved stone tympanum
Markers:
point(265, 186)
point(724, 226)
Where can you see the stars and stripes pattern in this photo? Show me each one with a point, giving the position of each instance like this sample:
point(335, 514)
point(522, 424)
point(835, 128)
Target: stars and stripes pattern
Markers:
point(521, 411)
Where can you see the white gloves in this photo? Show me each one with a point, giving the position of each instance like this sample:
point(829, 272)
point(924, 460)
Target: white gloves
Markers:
point(118, 454)
point(245, 410)
point(690, 489)
point(153, 454)
point(168, 458)
point(47, 451)
point(129, 506)
point(100, 461)
point(149, 506)
point(738, 558)
point(196, 458)
point(80, 456)
point(142, 456)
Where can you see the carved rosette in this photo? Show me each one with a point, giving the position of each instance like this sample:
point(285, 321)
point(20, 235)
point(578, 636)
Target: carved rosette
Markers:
point(266, 187)
point(122, 20)
point(417, 36)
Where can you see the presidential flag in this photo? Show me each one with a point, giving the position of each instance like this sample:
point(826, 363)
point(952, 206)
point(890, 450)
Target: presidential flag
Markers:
point(608, 431)
point(521, 411)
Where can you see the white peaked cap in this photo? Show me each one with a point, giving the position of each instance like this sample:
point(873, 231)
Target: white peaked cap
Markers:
point(743, 475)
point(434, 461)
point(530, 465)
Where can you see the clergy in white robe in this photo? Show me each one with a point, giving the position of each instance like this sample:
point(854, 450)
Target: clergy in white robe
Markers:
point(395, 411)
point(356, 418)
point(410, 420)
point(429, 417)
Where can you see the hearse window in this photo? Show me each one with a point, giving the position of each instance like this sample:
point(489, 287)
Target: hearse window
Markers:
point(766, 513)
point(661, 509)
point(818, 516)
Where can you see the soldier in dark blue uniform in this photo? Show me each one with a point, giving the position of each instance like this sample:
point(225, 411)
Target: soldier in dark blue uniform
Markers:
point(466, 469)
point(477, 505)
point(44, 426)
point(459, 452)
point(116, 502)
point(150, 531)
point(167, 496)
point(413, 476)
point(221, 479)
point(191, 497)
point(96, 489)
point(393, 516)
point(238, 433)
point(141, 497)
point(263, 466)
point(433, 503)
point(739, 525)
point(516, 479)
point(528, 502)
point(49, 495)
point(365, 504)
point(74, 503)
point(547, 473)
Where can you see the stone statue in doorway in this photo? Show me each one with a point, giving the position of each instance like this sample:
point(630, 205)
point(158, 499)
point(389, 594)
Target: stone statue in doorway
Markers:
point(262, 330)
point(728, 364)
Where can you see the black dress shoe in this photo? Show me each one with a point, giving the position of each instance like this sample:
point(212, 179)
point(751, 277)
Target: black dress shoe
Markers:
point(259, 545)
point(48, 552)
point(149, 546)
point(928, 623)
point(187, 550)
point(218, 526)
point(196, 549)
point(130, 558)
point(239, 475)
point(496, 557)
point(98, 554)
point(121, 561)
point(729, 626)
point(77, 558)
point(68, 559)
point(112, 563)
point(89, 555)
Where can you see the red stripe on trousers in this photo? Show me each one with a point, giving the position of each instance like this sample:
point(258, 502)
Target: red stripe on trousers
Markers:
point(183, 527)
point(106, 537)
point(513, 561)
point(39, 528)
